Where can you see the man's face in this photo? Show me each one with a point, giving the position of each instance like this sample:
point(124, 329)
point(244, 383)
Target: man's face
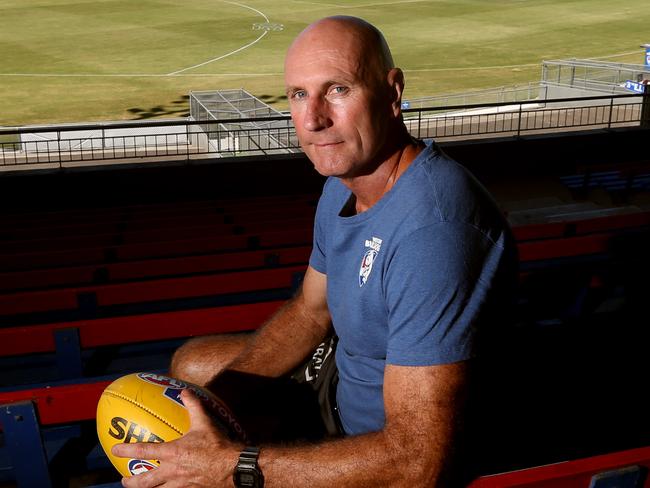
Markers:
point(339, 105)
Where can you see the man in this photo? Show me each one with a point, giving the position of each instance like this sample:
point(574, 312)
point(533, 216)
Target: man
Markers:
point(411, 258)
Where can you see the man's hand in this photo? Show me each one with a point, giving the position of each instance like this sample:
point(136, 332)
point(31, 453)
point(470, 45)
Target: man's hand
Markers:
point(202, 457)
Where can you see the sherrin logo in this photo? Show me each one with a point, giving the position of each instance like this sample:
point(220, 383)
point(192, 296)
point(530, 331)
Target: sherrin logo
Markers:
point(372, 249)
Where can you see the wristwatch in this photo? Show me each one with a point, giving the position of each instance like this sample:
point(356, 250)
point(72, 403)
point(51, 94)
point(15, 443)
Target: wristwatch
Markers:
point(247, 472)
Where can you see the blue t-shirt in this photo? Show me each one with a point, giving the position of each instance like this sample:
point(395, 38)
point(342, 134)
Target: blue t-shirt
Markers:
point(408, 279)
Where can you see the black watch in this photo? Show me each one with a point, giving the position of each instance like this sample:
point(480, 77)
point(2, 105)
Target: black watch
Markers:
point(247, 472)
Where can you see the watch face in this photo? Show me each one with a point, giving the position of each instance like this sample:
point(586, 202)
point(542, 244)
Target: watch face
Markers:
point(246, 478)
point(247, 472)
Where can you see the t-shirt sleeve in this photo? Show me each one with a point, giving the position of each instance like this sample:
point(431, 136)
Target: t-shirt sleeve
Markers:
point(436, 283)
point(318, 252)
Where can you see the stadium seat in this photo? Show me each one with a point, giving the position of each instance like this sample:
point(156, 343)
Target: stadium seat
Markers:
point(147, 268)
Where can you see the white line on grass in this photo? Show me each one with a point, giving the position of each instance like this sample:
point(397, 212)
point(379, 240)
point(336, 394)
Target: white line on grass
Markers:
point(468, 68)
point(617, 55)
point(232, 52)
point(320, 4)
point(175, 73)
point(507, 66)
point(382, 4)
point(198, 75)
point(377, 4)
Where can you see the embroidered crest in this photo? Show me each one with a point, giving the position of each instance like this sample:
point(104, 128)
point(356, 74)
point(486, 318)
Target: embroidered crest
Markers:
point(372, 249)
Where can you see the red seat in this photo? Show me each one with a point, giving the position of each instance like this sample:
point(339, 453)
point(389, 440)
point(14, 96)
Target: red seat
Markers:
point(15, 341)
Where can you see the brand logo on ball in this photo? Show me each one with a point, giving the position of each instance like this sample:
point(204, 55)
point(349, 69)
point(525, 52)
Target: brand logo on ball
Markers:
point(160, 380)
point(128, 430)
point(139, 466)
point(174, 394)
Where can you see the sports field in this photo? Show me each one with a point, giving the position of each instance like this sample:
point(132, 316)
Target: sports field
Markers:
point(90, 60)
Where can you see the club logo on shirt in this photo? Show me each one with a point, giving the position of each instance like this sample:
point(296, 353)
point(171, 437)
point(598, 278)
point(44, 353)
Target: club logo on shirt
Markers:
point(372, 249)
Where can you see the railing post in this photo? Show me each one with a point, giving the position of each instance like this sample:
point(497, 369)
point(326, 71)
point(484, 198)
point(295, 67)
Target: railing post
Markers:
point(58, 145)
point(645, 107)
point(519, 122)
point(611, 112)
point(187, 141)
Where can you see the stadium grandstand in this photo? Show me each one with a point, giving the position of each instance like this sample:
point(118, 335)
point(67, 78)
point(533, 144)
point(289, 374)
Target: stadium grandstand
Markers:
point(106, 268)
point(120, 240)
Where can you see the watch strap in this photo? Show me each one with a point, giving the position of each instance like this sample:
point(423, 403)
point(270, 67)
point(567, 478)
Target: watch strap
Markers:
point(249, 454)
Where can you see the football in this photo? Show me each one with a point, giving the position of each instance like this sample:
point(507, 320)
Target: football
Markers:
point(146, 407)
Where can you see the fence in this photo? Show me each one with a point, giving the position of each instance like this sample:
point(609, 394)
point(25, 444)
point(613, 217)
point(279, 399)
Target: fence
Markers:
point(186, 139)
point(530, 117)
point(592, 75)
point(503, 94)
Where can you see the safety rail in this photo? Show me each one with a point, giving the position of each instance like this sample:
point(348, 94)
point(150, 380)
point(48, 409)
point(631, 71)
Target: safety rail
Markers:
point(187, 139)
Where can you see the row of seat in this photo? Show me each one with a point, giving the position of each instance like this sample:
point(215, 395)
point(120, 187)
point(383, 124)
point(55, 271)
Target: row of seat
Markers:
point(212, 237)
point(125, 213)
point(30, 247)
point(180, 246)
point(163, 279)
point(151, 236)
point(633, 179)
point(33, 339)
point(153, 267)
point(626, 468)
point(209, 275)
point(35, 235)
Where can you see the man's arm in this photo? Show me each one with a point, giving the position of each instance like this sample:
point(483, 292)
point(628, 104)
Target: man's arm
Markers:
point(423, 407)
point(291, 334)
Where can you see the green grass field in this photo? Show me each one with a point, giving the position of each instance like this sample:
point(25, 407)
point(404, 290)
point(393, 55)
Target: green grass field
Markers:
point(90, 60)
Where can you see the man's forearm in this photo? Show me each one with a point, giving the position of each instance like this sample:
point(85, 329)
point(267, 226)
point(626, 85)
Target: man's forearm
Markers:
point(416, 448)
point(370, 460)
point(284, 341)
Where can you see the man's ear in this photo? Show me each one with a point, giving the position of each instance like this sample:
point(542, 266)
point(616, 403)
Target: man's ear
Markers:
point(396, 88)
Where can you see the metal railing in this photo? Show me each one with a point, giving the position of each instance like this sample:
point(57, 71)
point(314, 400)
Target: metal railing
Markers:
point(502, 94)
point(185, 139)
point(529, 117)
point(602, 75)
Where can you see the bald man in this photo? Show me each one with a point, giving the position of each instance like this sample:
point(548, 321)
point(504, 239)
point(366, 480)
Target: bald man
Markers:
point(411, 259)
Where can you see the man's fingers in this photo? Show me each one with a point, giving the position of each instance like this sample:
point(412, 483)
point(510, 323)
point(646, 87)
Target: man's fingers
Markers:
point(171, 453)
point(139, 450)
point(199, 419)
point(152, 478)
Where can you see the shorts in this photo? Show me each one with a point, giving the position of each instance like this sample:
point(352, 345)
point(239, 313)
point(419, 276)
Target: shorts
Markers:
point(300, 406)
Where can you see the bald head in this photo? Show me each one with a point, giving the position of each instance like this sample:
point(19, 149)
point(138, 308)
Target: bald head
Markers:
point(344, 95)
point(349, 34)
